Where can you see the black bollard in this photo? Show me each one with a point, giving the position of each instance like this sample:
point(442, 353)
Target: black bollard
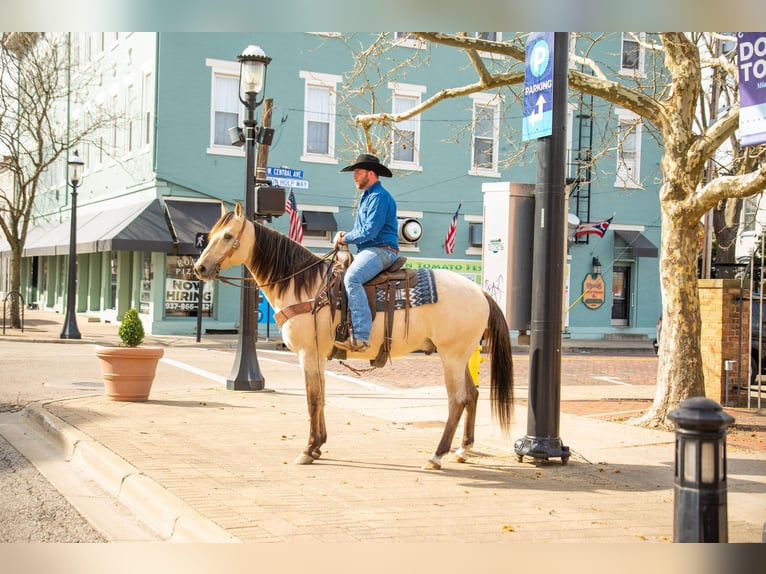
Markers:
point(700, 512)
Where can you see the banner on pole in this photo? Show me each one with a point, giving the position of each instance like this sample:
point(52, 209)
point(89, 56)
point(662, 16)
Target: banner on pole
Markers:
point(752, 87)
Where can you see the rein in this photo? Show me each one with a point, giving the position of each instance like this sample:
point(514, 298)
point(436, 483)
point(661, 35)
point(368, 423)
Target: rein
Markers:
point(232, 280)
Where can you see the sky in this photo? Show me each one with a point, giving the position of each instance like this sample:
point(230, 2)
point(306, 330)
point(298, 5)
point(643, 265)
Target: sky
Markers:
point(348, 16)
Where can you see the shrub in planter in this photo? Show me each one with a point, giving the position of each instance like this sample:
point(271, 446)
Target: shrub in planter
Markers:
point(129, 369)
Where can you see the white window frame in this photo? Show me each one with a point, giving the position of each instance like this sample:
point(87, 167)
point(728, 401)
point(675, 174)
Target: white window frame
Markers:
point(482, 101)
point(412, 92)
point(640, 39)
point(146, 120)
point(328, 82)
point(310, 241)
point(114, 128)
point(223, 69)
point(628, 172)
point(490, 55)
point(401, 39)
point(131, 123)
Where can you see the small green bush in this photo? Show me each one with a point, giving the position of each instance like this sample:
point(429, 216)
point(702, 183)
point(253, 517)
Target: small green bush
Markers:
point(131, 329)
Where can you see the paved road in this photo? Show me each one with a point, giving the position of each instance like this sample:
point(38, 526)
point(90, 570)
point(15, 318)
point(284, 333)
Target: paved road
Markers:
point(35, 485)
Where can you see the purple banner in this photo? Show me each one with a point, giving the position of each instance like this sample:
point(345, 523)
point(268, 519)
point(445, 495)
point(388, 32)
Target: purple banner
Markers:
point(752, 87)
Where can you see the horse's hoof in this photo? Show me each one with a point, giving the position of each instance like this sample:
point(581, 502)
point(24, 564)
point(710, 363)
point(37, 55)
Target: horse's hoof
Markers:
point(316, 453)
point(303, 458)
point(461, 455)
point(432, 464)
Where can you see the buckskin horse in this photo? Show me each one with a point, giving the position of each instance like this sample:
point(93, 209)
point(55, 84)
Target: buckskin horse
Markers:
point(294, 281)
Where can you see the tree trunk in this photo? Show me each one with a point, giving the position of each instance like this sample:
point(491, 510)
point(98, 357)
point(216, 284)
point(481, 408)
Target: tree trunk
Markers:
point(15, 317)
point(725, 218)
point(679, 373)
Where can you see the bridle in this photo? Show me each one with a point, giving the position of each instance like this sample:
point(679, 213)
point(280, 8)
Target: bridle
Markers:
point(235, 245)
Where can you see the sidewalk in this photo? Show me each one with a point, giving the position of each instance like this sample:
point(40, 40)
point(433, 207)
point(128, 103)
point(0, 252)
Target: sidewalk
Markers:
point(200, 463)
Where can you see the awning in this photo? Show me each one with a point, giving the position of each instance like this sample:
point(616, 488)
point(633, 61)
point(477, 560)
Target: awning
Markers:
point(189, 218)
point(638, 244)
point(319, 221)
point(135, 228)
point(138, 227)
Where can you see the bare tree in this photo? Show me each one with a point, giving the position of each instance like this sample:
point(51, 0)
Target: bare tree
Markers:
point(37, 90)
point(668, 102)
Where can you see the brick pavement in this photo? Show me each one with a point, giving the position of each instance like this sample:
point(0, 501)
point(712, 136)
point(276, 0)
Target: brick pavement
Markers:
point(221, 461)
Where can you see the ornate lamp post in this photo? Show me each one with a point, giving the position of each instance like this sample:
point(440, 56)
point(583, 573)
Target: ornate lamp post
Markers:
point(70, 330)
point(246, 373)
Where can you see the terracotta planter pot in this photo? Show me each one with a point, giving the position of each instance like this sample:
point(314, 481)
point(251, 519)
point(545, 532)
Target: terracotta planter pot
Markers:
point(128, 371)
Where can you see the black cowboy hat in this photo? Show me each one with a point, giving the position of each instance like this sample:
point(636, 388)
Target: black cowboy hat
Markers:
point(367, 161)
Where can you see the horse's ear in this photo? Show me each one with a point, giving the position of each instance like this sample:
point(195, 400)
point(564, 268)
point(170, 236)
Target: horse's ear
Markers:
point(238, 210)
point(224, 211)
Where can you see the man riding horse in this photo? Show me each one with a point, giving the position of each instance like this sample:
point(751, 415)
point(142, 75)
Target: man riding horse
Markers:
point(376, 235)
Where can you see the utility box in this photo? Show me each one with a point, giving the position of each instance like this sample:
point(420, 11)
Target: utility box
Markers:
point(509, 213)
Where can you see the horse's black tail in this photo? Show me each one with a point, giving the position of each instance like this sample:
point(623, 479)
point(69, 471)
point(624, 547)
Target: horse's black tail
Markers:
point(501, 373)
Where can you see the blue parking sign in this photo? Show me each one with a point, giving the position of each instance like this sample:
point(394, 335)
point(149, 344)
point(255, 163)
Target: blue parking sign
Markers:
point(538, 86)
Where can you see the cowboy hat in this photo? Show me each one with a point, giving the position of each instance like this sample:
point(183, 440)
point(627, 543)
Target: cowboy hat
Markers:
point(367, 161)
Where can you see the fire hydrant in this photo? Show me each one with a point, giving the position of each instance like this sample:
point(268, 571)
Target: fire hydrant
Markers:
point(473, 365)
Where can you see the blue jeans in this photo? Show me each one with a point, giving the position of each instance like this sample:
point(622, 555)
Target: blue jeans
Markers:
point(366, 265)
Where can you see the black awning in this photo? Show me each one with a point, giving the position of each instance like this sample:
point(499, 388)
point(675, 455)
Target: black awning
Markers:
point(137, 227)
point(638, 244)
point(190, 217)
point(319, 221)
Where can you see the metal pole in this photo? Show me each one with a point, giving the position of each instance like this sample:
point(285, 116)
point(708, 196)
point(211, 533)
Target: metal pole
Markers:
point(246, 373)
point(70, 330)
point(542, 440)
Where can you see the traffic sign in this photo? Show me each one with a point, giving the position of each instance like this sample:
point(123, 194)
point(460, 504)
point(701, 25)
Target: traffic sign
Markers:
point(200, 241)
point(286, 177)
point(538, 87)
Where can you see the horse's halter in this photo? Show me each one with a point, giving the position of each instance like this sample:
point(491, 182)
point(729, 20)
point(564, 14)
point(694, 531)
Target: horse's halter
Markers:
point(231, 250)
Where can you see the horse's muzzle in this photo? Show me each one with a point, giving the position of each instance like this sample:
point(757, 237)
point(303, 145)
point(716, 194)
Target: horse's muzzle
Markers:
point(206, 273)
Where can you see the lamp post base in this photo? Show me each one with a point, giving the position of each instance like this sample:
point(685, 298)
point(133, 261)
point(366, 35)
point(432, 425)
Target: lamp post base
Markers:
point(542, 448)
point(70, 330)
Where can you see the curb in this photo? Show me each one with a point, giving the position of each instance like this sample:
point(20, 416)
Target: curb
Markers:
point(171, 518)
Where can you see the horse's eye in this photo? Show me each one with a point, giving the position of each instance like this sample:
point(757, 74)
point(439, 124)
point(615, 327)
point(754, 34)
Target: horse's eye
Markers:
point(228, 237)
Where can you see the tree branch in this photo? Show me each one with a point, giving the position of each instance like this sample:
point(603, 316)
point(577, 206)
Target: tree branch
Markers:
point(737, 186)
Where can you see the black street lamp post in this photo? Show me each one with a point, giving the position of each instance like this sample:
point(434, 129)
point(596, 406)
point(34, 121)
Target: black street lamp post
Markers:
point(246, 373)
point(70, 330)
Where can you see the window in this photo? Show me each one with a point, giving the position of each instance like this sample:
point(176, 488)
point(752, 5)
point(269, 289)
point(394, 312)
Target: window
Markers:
point(182, 288)
point(749, 211)
point(492, 37)
point(319, 117)
point(131, 118)
point(319, 225)
point(408, 39)
point(628, 150)
point(632, 54)
point(226, 109)
point(115, 124)
point(485, 138)
point(147, 107)
point(405, 136)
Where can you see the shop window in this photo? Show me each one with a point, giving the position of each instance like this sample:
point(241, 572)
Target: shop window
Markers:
point(182, 289)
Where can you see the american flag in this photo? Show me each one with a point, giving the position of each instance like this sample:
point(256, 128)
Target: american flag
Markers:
point(449, 241)
point(296, 229)
point(595, 228)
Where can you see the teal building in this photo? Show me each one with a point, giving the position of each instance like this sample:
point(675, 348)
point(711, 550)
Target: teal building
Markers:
point(158, 179)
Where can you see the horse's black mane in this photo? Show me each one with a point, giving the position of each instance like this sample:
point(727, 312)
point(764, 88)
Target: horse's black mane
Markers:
point(276, 259)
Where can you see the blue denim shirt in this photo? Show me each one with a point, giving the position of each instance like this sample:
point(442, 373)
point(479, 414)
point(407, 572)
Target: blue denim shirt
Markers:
point(376, 222)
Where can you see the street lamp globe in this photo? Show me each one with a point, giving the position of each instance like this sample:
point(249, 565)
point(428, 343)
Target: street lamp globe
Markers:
point(252, 74)
point(75, 169)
